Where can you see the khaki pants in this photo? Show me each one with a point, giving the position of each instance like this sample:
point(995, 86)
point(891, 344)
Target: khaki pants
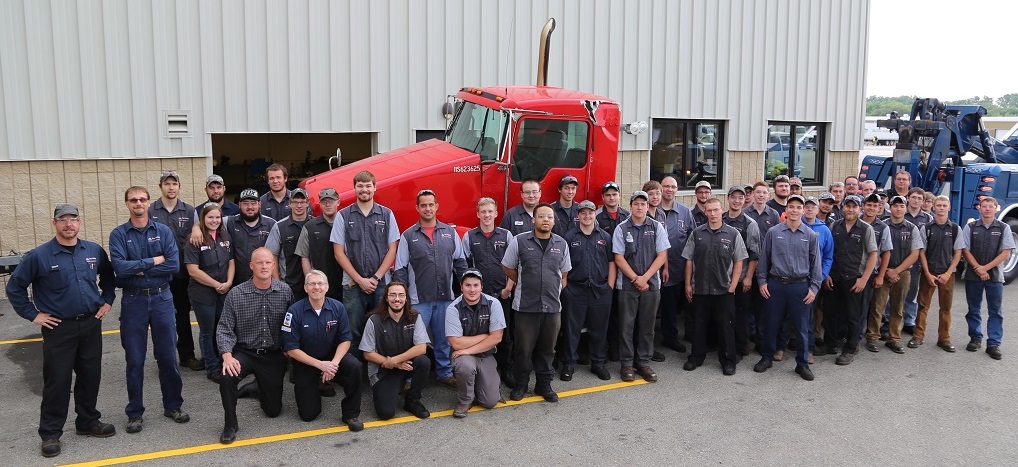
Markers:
point(896, 294)
point(945, 295)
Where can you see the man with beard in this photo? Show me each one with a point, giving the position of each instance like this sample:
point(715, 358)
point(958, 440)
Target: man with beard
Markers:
point(249, 230)
point(282, 242)
point(216, 191)
point(702, 193)
point(179, 217)
point(782, 189)
point(315, 249)
point(276, 202)
point(538, 262)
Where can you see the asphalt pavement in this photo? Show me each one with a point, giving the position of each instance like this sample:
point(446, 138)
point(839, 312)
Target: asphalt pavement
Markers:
point(926, 407)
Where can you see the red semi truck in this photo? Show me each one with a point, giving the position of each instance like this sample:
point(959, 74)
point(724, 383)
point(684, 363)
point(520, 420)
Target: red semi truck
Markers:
point(498, 136)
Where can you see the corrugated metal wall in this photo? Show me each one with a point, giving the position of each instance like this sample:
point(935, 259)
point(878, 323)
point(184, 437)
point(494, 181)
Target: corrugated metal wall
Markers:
point(91, 79)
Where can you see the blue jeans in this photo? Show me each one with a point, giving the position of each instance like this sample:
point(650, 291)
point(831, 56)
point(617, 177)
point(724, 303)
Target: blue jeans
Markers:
point(207, 315)
point(137, 313)
point(433, 315)
point(786, 303)
point(357, 303)
point(912, 296)
point(995, 320)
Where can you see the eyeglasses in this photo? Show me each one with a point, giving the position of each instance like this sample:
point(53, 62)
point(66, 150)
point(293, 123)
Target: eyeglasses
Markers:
point(137, 200)
point(68, 220)
point(531, 192)
point(317, 284)
point(396, 295)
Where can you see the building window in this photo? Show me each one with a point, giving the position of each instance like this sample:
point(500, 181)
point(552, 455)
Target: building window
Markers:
point(795, 149)
point(689, 150)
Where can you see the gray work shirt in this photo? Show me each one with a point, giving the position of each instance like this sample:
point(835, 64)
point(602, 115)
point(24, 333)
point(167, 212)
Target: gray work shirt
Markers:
point(277, 210)
point(750, 232)
point(429, 265)
point(453, 326)
point(368, 343)
point(180, 221)
point(851, 249)
point(485, 252)
point(765, 219)
point(985, 242)
point(282, 242)
point(905, 237)
point(517, 220)
point(790, 254)
point(940, 240)
point(365, 239)
point(679, 223)
point(607, 222)
point(639, 246)
point(565, 218)
point(246, 240)
point(712, 254)
point(539, 272)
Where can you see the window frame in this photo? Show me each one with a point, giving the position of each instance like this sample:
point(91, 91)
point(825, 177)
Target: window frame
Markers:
point(690, 126)
point(819, 146)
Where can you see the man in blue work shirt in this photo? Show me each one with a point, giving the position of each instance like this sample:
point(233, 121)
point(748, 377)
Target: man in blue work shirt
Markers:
point(586, 300)
point(640, 245)
point(985, 244)
point(538, 261)
point(69, 308)
point(180, 218)
point(364, 238)
point(145, 258)
point(826, 243)
point(317, 337)
point(765, 218)
point(428, 257)
point(789, 274)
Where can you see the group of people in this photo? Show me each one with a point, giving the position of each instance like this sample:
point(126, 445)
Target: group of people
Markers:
point(275, 289)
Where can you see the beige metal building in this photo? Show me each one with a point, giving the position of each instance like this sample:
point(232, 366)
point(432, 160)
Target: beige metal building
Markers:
point(96, 96)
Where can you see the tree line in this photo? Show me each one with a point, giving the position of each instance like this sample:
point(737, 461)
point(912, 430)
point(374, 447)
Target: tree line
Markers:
point(1003, 106)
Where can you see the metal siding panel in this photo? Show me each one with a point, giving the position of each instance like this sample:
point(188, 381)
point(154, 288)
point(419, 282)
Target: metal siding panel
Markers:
point(318, 66)
point(190, 75)
point(42, 87)
point(257, 73)
point(213, 83)
point(278, 71)
point(142, 70)
point(68, 80)
point(95, 100)
point(361, 50)
point(378, 69)
point(119, 86)
point(297, 49)
point(165, 72)
point(723, 59)
point(399, 77)
point(235, 72)
point(14, 71)
point(339, 66)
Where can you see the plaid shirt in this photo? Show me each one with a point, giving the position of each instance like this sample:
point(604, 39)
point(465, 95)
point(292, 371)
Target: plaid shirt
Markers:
point(253, 318)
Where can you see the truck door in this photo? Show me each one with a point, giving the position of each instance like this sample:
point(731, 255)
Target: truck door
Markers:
point(546, 149)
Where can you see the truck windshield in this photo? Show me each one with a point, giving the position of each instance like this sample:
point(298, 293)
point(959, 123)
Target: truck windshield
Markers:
point(477, 129)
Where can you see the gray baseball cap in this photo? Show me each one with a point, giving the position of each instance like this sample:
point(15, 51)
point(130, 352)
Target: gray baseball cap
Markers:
point(299, 192)
point(65, 209)
point(167, 174)
point(471, 273)
point(811, 199)
point(327, 193)
point(826, 196)
point(737, 188)
point(854, 199)
point(214, 179)
point(796, 198)
point(249, 193)
point(567, 179)
point(702, 184)
point(897, 199)
point(586, 204)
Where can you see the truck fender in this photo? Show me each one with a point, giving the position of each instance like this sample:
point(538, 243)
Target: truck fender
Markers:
point(1009, 216)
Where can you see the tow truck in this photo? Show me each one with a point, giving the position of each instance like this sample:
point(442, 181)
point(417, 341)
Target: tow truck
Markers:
point(498, 136)
point(947, 150)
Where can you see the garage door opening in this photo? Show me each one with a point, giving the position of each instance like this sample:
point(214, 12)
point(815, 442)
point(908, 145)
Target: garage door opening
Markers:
point(241, 158)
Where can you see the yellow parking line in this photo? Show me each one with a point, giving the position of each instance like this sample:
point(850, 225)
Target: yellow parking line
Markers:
point(39, 339)
point(326, 431)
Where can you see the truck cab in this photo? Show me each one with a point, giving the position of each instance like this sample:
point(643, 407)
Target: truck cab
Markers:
point(497, 137)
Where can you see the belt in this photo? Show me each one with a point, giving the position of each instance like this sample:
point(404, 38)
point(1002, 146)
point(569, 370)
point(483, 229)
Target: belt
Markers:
point(84, 316)
point(261, 351)
point(148, 291)
point(788, 280)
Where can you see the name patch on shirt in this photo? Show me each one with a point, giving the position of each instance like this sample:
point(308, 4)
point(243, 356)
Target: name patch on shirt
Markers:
point(154, 239)
point(286, 322)
point(517, 222)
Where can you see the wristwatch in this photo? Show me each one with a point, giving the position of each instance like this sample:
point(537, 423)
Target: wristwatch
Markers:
point(376, 278)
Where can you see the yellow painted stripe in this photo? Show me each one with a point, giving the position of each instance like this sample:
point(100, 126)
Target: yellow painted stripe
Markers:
point(39, 339)
point(331, 430)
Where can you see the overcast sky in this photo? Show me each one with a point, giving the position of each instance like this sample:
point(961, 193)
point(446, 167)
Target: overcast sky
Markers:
point(943, 49)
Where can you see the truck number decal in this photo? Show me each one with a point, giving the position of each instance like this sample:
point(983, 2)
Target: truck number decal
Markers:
point(466, 168)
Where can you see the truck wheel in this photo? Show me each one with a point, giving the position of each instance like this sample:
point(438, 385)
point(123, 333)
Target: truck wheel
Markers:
point(1011, 265)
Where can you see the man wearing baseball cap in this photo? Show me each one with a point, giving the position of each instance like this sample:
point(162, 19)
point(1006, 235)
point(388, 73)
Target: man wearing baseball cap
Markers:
point(474, 324)
point(282, 242)
point(248, 230)
point(855, 256)
point(609, 216)
point(215, 188)
point(314, 247)
point(703, 193)
point(566, 216)
point(750, 233)
point(907, 240)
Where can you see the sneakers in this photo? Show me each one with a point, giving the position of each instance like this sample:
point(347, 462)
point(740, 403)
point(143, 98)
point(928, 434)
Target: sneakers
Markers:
point(894, 346)
point(602, 373)
point(647, 373)
point(518, 393)
point(947, 346)
point(193, 363)
point(872, 346)
point(547, 392)
point(461, 410)
point(805, 372)
point(229, 435)
point(974, 345)
point(417, 409)
point(135, 425)
point(177, 415)
point(50, 448)
point(449, 381)
point(628, 374)
point(915, 342)
point(99, 430)
point(994, 352)
point(657, 357)
point(762, 365)
point(354, 424)
point(845, 358)
point(567, 373)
